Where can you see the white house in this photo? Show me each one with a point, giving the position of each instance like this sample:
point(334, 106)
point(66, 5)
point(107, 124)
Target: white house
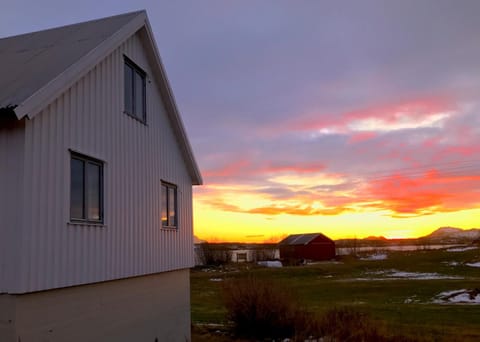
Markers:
point(96, 177)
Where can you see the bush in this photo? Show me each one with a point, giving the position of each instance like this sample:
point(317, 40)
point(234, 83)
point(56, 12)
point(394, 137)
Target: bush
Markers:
point(214, 255)
point(349, 324)
point(259, 309)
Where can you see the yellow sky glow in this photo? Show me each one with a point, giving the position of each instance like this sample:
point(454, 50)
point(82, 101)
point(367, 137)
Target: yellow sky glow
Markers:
point(215, 225)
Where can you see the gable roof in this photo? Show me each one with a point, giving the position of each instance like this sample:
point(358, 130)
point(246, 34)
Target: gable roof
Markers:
point(37, 67)
point(302, 239)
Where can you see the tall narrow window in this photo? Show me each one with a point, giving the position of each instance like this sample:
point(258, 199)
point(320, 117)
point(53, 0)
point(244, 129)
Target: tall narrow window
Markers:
point(135, 99)
point(169, 205)
point(86, 189)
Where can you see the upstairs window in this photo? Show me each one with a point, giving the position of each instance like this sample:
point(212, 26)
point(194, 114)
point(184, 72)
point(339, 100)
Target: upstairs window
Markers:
point(169, 205)
point(135, 99)
point(86, 189)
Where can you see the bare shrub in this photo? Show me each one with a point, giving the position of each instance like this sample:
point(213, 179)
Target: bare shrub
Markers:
point(348, 323)
point(214, 255)
point(259, 309)
point(263, 254)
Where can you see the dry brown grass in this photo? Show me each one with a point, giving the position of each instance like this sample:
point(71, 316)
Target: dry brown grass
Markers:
point(259, 309)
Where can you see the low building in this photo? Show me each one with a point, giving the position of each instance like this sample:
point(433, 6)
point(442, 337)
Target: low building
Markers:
point(313, 246)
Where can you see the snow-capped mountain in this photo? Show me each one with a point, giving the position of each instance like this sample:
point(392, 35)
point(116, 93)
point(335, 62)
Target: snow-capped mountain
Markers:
point(452, 234)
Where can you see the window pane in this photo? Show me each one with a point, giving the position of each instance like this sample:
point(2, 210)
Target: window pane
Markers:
point(93, 191)
point(128, 79)
point(139, 96)
point(171, 207)
point(76, 189)
point(164, 206)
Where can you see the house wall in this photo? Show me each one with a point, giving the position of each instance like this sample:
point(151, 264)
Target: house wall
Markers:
point(11, 201)
point(149, 308)
point(88, 118)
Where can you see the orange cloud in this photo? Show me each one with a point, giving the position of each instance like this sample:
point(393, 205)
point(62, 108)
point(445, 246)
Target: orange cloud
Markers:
point(301, 210)
point(278, 209)
point(425, 194)
point(309, 167)
point(403, 195)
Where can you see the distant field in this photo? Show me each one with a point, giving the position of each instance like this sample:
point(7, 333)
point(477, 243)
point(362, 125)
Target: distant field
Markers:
point(398, 291)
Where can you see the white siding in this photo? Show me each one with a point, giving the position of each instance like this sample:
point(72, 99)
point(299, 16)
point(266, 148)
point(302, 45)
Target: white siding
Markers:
point(11, 177)
point(88, 118)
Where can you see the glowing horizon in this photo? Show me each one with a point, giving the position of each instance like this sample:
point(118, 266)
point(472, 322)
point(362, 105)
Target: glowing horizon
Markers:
point(401, 190)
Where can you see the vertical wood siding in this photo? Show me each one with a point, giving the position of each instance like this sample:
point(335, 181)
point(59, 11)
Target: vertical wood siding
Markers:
point(88, 118)
point(11, 181)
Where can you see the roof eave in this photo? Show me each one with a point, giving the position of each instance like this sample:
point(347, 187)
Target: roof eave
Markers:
point(45, 95)
point(172, 109)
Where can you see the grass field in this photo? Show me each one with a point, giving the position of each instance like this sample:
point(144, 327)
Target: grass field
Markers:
point(402, 302)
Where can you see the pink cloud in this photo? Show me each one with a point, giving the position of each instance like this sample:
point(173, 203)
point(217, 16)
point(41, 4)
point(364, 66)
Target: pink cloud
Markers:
point(414, 110)
point(248, 168)
point(361, 137)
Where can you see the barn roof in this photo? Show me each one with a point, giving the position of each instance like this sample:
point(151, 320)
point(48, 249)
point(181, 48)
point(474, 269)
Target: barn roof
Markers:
point(302, 239)
point(37, 67)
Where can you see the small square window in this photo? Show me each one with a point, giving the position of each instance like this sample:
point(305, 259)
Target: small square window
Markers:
point(135, 98)
point(86, 189)
point(169, 205)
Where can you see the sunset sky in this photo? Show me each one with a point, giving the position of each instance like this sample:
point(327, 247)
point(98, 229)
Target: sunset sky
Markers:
point(351, 118)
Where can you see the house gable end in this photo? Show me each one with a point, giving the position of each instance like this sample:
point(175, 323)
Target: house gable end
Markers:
point(39, 93)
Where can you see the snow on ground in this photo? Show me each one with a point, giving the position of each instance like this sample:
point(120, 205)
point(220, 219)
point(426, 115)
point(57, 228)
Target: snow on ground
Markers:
point(400, 275)
point(461, 249)
point(376, 257)
point(451, 263)
point(458, 297)
point(475, 264)
point(411, 300)
point(270, 263)
point(216, 279)
point(417, 275)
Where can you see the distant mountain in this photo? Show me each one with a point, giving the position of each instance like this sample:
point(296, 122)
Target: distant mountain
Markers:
point(454, 235)
point(376, 238)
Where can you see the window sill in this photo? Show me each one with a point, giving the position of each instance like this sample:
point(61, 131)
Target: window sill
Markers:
point(169, 228)
point(136, 118)
point(86, 224)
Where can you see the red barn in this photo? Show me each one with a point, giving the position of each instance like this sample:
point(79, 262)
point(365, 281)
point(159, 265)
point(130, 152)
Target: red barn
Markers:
point(313, 246)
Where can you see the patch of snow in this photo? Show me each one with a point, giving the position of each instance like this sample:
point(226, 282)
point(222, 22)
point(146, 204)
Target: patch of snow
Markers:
point(458, 297)
point(411, 300)
point(451, 263)
point(376, 257)
point(216, 279)
point(475, 264)
point(461, 249)
point(399, 275)
point(274, 264)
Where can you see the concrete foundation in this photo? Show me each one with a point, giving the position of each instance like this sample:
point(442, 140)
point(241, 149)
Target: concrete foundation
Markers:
point(148, 308)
